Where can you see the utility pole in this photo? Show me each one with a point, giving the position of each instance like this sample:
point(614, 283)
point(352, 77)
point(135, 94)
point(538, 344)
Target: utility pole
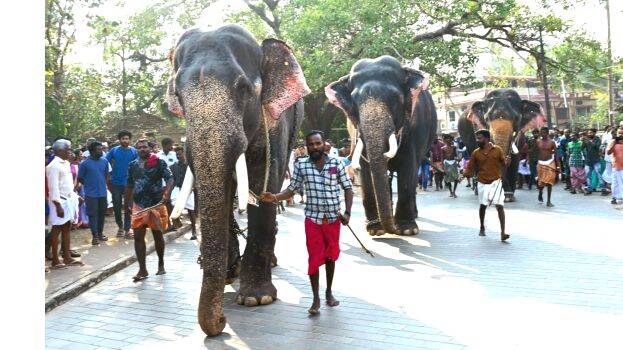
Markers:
point(548, 112)
point(610, 78)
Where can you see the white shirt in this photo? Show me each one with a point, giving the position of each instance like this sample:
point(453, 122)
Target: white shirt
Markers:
point(605, 141)
point(170, 158)
point(333, 152)
point(60, 181)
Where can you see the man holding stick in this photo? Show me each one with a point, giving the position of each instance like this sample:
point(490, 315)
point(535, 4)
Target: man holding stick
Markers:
point(322, 177)
point(145, 191)
point(489, 160)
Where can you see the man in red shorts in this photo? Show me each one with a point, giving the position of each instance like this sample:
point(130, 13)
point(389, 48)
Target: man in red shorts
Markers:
point(322, 176)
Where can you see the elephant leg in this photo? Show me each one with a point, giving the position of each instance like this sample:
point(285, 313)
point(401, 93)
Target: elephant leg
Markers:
point(233, 256)
point(406, 209)
point(510, 179)
point(373, 225)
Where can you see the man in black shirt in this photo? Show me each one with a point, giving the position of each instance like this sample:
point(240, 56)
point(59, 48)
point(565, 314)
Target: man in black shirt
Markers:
point(145, 190)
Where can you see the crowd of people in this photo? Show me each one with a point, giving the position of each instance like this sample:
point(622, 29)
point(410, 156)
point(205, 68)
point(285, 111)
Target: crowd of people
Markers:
point(84, 184)
point(586, 161)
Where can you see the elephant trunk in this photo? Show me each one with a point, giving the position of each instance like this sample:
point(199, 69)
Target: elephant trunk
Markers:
point(214, 196)
point(502, 134)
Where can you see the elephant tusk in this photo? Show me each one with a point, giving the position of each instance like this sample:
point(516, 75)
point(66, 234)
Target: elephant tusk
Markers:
point(357, 155)
point(393, 147)
point(242, 180)
point(185, 191)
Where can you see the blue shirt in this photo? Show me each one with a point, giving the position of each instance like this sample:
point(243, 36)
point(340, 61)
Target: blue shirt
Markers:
point(120, 158)
point(92, 174)
point(322, 187)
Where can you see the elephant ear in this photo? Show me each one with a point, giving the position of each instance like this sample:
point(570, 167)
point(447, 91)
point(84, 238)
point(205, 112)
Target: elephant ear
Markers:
point(416, 82)
point(283, 83)
point(338, 95)
point(173, 101)
point(476, 114)
point(532, 115)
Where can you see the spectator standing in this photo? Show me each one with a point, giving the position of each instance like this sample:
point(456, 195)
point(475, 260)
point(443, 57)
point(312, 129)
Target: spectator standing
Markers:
point(86, 154)
point(615, 150)
point(610, 135)
point(179, 172)
point(120, 157)
point(170, 157)
point(436, 159)
point(533, 156)
point(63, 201)
point(93, 175)
point(593, 160)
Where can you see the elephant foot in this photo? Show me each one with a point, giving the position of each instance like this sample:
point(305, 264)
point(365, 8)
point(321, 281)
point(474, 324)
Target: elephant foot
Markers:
point(374, 228)
point(255, 296)
point(407, 228)
point(510, 198)
point(273, 260)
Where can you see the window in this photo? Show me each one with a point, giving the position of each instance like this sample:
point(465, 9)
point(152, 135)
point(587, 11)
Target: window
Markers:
point(452, 115)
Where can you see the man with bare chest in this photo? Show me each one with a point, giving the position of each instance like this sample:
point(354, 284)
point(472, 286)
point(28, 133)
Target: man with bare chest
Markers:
point(546, 167)
point(450, 164)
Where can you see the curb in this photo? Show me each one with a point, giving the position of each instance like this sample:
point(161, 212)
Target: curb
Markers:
point(82, 285)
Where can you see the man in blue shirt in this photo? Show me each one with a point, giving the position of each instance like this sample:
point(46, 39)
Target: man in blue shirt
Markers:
point(119, 157)
point(93, 174)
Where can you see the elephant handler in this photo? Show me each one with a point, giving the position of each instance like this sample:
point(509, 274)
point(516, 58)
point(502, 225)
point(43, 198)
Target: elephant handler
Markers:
point(546, 167)
point(322, 177)
point(149, 210)
point(489, 160)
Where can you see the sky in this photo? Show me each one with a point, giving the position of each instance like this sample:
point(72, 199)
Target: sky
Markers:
point(590, 16)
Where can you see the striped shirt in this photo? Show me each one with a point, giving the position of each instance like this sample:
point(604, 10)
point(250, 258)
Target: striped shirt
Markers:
point(322, 187)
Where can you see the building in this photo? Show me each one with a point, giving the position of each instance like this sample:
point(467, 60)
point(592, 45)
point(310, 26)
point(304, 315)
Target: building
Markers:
point(566, 108)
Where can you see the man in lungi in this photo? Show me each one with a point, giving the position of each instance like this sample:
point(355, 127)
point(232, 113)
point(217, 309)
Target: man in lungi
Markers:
point(450, 164)
point(546, 167)
point(179, 172)
point(489, 160)
point(145, 191)
point(63, 202)
point(322, 176)
point(577, 172)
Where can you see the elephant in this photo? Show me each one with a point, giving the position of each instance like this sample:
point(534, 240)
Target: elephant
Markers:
point(243, 104)
point(395, 119)
point(507, 117)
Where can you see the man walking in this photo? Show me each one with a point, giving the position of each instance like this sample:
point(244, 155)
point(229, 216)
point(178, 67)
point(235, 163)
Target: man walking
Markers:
point(63, 202)
point(436, 160)
point(546, 167)
point(577, 173)
point(120, 157)
point(144, 189)
point(93, 175)
point(179, 172)
point(450, 164)
point(489, 160)
point(322, 176)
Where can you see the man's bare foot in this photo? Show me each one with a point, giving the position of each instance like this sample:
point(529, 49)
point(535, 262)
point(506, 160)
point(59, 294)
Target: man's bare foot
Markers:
point(73, 262)
point(482, 231)
point(141, 275)
point(315, 308)
point(504, 236)
point(549, 204)
point(331, 301)
point(58, 265)
point(161, 270)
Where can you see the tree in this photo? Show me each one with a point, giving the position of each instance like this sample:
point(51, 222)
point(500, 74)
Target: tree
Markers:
point(73, 96)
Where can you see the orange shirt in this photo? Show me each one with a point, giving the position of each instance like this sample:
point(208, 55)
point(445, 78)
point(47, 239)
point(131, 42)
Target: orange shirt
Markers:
point(489, 166)
point(617, 157)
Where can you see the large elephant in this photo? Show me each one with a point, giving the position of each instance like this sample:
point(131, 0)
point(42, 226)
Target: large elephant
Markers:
point(395, 118)
point(506, 116)
point(236, 96)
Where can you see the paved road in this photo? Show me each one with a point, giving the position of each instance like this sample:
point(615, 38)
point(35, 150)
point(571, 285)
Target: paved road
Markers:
point(558, 284)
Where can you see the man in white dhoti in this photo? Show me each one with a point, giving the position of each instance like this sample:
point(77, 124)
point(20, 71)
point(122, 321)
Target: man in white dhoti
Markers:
point(489, 160)
point(63, 202)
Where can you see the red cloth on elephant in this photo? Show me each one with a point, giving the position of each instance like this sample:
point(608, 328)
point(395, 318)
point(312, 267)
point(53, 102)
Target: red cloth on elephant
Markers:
point(323, 242)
